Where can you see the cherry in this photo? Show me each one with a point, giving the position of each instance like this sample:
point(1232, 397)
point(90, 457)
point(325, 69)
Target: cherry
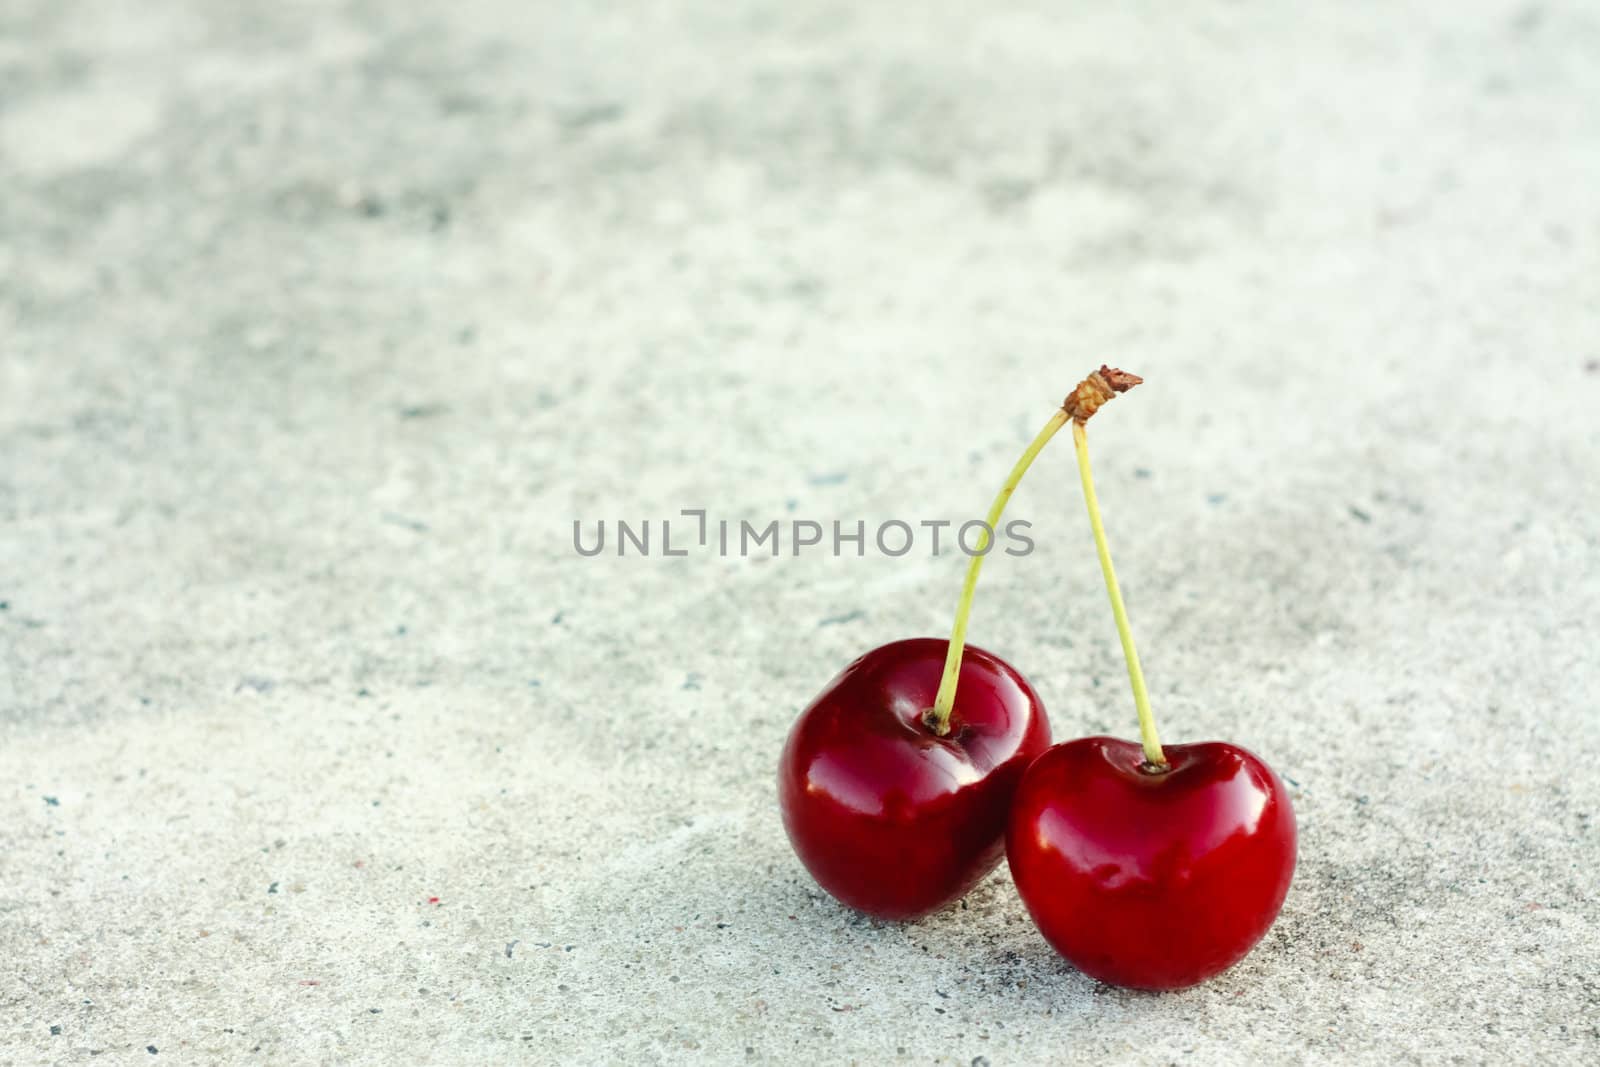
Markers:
point(896, 781)
point(1145, 866)
point(1151, 879)
point(888, 816)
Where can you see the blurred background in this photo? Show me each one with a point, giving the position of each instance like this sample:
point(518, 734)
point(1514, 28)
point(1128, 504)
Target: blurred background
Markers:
point(321, 324)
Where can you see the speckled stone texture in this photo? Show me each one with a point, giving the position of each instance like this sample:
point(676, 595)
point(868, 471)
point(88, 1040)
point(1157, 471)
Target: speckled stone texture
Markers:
point(321, 323)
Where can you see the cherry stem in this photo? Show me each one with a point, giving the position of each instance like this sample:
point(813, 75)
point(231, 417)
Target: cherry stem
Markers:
point(938, 716)
point(1141, 698)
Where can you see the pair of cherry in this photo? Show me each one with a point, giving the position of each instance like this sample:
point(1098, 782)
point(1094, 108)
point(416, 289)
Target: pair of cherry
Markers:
point(924, 762)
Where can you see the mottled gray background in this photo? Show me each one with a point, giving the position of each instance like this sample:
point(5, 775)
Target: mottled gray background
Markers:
point(320, 323)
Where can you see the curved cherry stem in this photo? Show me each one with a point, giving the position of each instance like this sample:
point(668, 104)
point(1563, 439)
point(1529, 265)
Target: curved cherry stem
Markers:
point(938, 716)
point(1141, 698)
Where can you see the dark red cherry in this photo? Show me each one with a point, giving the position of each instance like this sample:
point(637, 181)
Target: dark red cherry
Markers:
point(887, 816)
point(1151, 880)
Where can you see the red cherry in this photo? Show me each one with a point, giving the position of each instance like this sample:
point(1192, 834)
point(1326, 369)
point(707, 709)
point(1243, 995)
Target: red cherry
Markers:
point(887, 815)
point(1147, 866)
point(1155, 879)
point(896, 781)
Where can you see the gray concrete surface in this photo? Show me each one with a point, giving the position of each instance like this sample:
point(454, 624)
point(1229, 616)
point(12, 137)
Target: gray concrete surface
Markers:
point(321, 323)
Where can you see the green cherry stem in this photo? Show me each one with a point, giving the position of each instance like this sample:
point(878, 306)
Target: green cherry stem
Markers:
point(1141, 698)
point(938, 716)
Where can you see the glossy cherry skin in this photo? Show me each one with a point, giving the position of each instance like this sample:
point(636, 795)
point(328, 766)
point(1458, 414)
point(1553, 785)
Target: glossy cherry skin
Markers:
point(887, 816)
point(1153, 881)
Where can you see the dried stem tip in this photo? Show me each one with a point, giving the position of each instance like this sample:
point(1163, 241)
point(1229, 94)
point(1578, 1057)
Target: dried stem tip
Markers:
point(1096, 389)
